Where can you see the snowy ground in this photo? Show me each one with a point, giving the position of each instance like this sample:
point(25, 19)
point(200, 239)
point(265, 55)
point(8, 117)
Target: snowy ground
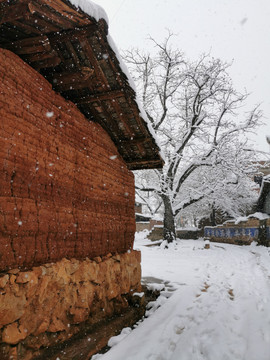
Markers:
point(215, 306)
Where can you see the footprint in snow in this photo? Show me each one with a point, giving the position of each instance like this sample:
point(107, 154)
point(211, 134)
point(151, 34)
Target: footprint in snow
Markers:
point(178, 329)
point(172, 346)
point(266, 336)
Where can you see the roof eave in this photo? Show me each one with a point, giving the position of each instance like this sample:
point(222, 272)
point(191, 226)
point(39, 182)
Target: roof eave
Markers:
point(71, 50)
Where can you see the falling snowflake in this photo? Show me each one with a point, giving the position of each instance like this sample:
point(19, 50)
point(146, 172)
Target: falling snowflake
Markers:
point(49, 114)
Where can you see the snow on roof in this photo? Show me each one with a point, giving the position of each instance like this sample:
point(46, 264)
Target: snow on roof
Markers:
point(157, 217)
point(145, 216)
point(90, 8)
point(133, 86)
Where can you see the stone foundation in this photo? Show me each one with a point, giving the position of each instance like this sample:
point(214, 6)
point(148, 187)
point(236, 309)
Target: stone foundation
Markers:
point(49, 303)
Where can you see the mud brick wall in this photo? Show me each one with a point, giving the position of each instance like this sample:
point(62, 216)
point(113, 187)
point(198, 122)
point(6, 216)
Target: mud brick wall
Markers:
point(156, 233)
point(140, 226)
point(64, 189)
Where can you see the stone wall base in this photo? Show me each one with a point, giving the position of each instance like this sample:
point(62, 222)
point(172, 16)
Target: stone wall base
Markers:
point(157, 233)
point(50, 303)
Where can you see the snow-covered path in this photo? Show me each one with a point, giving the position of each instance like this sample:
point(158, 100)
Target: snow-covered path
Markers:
point(219, 308)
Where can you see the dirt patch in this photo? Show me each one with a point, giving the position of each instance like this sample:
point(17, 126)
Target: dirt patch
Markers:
point(231, 294)
point(205, 288)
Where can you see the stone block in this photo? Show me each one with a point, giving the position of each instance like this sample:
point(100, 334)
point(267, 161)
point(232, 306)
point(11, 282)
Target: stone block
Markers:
point(57, 297)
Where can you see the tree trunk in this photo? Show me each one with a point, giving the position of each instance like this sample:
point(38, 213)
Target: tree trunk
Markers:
point(169, 233)
point(213, 217)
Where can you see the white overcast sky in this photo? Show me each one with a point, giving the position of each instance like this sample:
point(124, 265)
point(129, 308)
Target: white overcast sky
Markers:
point(237, 30)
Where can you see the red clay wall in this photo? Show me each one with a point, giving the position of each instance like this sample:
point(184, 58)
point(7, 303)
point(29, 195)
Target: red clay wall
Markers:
point(63, 191)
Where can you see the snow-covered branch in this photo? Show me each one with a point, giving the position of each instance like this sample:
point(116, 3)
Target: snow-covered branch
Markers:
point(197, 117)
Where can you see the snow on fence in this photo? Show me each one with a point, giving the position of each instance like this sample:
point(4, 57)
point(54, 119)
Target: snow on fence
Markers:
point(241, 232)
point(232, 235)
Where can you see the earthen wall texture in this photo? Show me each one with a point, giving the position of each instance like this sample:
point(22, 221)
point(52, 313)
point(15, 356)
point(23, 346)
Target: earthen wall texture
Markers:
point(64, 189)
point(140, 226)
point(156, 233)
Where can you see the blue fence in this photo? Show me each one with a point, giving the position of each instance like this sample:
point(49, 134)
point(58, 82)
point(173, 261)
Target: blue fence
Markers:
point(233, 232)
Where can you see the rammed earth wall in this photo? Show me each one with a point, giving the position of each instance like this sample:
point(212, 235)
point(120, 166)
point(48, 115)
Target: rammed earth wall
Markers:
point(64, 190)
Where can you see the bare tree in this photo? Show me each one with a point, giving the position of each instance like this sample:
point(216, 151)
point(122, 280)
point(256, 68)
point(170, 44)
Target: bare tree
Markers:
point(193, 109)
